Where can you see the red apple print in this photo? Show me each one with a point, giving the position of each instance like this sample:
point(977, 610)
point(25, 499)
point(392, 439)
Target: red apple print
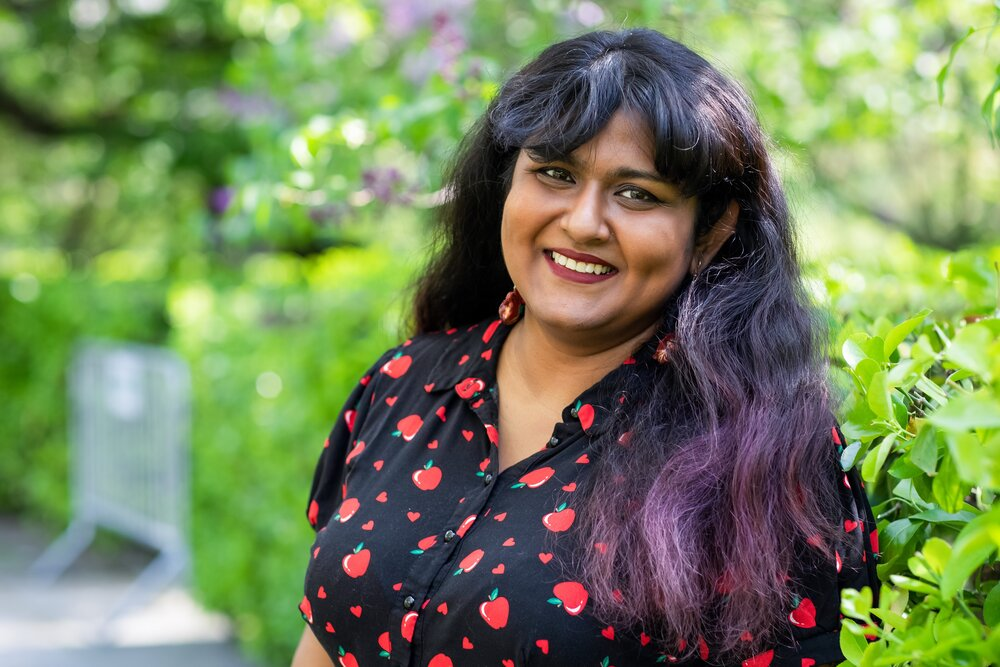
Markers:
point(702, 648)
point(507, 662)
point(492, 434)
point(368, 525)
point(499, 569)
point(440, 660)
point(349, 420)
point(385, 643)
point(356, 610)
point(443, 608)
point(329, 627)
point(313, 512)
point(347, 659)
point(306, 608)
point(836, 436)
point(490, 330)
point(408, 427)
point(569, 595)
point(466, 644)
point(500, 517)
point(585, 413)
point(425, 544)
point(428, 477)
point(759, 660)
point(397, 366)
point(470, 561)
point(321, 593)
point(535, 478)
point(406, 627)
point(808, 662)
point(545, 557)
point(413, 516)
point(359, 446)
point(347, 509)
point(608, 632)
point(804, 615)
point(469, 387)
point(850, 525)
point(356, 564)
point(873, 539)
point(464, 526)
point(559, 520)
point(495, 610)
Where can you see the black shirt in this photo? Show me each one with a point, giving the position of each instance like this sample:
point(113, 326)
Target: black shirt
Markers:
point(428, 554)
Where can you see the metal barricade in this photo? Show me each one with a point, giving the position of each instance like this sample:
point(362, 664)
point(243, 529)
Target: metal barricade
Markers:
point(129, 460)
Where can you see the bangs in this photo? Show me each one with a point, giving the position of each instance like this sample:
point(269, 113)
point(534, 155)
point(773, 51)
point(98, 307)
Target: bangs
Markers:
point(552, 113)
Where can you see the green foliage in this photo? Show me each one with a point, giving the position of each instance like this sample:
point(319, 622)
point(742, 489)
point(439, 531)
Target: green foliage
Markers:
point(922, 415)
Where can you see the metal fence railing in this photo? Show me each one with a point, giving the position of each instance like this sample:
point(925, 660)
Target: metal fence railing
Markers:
point(129, 460)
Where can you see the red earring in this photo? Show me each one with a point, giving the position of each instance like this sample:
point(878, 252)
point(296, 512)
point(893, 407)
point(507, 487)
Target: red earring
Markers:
point(665, 349)
point(512, 307)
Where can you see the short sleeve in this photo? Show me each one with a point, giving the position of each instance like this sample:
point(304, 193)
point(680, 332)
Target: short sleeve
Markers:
point(326, 493)
point(815, 611)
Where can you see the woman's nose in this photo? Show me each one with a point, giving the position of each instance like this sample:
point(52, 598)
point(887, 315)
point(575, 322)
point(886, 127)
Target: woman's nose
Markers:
point(585, 221)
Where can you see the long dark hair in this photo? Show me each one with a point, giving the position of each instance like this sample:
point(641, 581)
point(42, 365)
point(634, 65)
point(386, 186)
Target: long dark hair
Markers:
point(728, 463)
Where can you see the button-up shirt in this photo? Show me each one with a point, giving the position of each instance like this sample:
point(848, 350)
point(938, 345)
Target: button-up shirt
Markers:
point(427, 553)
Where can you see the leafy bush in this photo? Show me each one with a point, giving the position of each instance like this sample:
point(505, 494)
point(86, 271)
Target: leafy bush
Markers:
point(922, 417)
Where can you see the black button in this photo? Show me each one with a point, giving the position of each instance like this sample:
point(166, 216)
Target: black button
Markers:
point(488, 478)
point(573, 413)
point(408, 602)
point(449, 535)
point(553, 441)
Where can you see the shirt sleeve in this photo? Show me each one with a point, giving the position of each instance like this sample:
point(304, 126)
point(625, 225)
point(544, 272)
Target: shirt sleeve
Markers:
point(815, 612)
point(327, 491)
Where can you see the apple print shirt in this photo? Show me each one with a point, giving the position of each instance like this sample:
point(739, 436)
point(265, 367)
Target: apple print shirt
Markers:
point(427, 554)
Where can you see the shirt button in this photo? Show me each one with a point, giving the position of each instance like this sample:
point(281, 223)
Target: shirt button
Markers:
point(487, 479)
point(449, 535)
point(553, 441)
point(408, 602)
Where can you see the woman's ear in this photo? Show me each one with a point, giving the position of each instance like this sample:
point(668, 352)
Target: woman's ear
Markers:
point(709, 243)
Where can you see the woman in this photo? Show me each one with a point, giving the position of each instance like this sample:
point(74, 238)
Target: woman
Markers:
point(638, 463)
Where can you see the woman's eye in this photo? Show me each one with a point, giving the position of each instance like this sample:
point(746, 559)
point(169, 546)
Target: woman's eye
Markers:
point(555, 173)
point(637, 194)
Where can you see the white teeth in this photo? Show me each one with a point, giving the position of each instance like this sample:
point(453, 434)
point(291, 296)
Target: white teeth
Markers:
point(579, 267)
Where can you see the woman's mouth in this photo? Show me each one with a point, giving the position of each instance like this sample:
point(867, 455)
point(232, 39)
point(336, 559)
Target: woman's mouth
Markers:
point(579, 268)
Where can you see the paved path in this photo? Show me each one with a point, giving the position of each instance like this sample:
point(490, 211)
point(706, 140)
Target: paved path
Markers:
point(60, 624)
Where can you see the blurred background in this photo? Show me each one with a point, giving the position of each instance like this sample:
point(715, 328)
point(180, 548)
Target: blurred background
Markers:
point(250, 184)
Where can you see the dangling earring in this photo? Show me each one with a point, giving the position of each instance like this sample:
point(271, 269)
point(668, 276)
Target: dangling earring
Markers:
point(512, 307)
point(665, 349)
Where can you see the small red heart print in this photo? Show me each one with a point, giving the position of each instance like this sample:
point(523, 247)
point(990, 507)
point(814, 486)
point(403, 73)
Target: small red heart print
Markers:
point(441, 413)
point(413, 516)
point(397, 587)
point(467, 435)
point(368, 525)
point(500, 517)
point(429, 387)
point(378, 464)
point(571, 487)
point(498, 569)
point(382, 497)
point(464, 358)
point(509, 542)
point(508, 663)
point(545, 557)
point(321, 593)
point(356, 610)
point(433, 444)
point(583, 459)
point(608, 632)
point(487, 354)
point(850, 525)
point(443, 608)
point(644, 638)
point(544, 645)
point(390, 400)
point(466, 644)
point(329, 627)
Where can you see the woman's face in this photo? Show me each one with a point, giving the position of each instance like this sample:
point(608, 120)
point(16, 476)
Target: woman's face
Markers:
point(596, 243)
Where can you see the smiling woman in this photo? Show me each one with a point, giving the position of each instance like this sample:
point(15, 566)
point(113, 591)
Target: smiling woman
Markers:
point(636, 463)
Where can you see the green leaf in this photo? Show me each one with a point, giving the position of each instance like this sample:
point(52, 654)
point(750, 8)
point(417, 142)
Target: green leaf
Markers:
point(879, 397)
point(911, 584)
point(899, 332)
point(947, 487)
point(852, 642)
point(991, 606)
point(875, 460)
point(936, 552)
point(969, 411)
point(849, 457)
point(943, 74)
point(971, 549)
point(968, 455)
point(970, 349)
point(924, 449)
